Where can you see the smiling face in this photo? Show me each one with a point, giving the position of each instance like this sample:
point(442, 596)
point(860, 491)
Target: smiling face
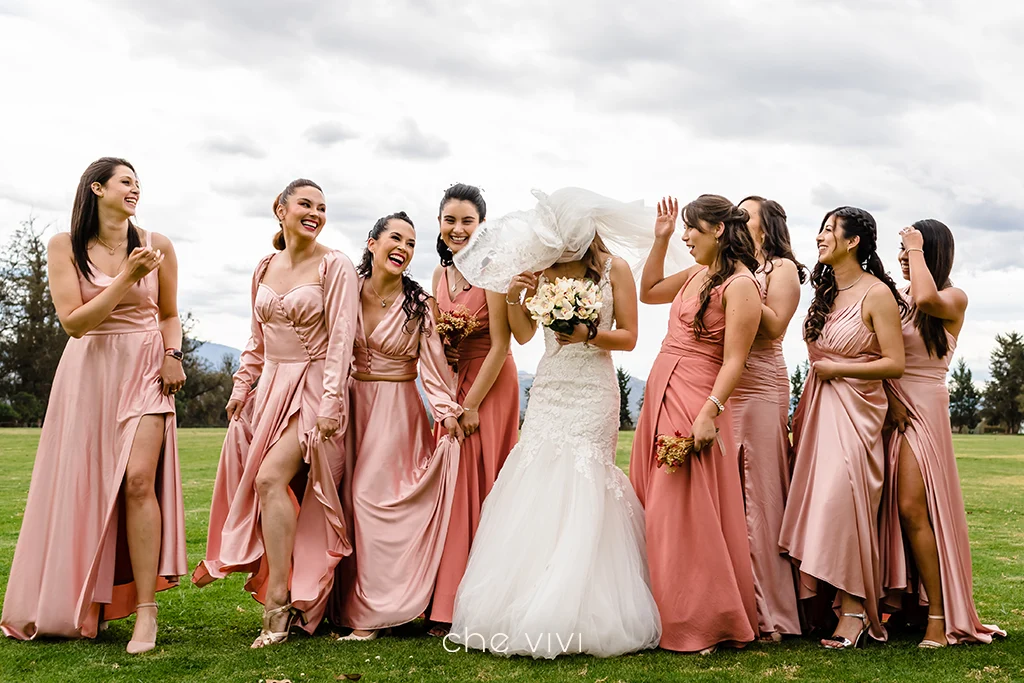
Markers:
point(393, 249)
point(833, 245)
point(120, 194)
point(458, 220)
point(702, 241)
point(303, 215)
point(904, 258)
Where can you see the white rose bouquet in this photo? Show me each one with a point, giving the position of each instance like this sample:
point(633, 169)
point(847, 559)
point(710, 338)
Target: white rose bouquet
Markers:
point(565, 303)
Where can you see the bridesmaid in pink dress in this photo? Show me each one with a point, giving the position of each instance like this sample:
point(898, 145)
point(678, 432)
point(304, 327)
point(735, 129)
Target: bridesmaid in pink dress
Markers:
point(830, 527)
point(922, 503)
point(104, 526)
point(488, 390)
point(697, 544)
point(401, 479)
point(760, 405)
point(276, 513)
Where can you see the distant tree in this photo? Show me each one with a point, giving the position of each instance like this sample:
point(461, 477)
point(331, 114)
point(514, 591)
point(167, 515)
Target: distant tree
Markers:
point(625, 417)
point(200, 403)
point(526, 404)
point(796, 385)
point(1006, 366)
point(964, 399)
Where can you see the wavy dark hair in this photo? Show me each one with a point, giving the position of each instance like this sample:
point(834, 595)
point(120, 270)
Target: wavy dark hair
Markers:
point(855, 223)
point(776, 244)
point(282, 198)
point(938, 254)
point(734, 246)
point(459, 192)
point(415, 303)
point(85, 218)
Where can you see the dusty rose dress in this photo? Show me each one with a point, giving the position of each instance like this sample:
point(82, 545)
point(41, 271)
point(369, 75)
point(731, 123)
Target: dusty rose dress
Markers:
point(697, 544)
point(71, 567)
point(922, 389)
point(830, 527)
point(298, 357)
point(483, 453)
point(760, 409)
point(399, 492)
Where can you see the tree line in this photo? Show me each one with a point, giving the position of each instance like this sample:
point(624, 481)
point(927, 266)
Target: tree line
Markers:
point(32, 341)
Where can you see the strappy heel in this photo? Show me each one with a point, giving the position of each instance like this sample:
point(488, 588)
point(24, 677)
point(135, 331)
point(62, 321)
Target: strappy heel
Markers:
point(268, 637)
point(372, 635)
point(842, 642)
point(931, 644)
point(136, 647)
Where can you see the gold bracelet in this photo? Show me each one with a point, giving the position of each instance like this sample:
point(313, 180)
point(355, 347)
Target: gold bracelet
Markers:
point(914, 249)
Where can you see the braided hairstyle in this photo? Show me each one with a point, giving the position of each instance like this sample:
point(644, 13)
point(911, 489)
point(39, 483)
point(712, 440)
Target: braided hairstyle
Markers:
point(282, 199)
point(414, 305)
point(776, 235)
point(85, 217)
point(938, 254)
point(459, 192)
point(734, 245)
point(854, 223)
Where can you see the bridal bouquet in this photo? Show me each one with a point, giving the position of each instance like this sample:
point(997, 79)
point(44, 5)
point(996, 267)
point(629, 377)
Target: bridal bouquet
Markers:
point(454, 326)
point(565, 303)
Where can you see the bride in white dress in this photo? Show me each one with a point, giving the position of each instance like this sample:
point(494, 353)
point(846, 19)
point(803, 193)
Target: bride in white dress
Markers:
point(559, 562)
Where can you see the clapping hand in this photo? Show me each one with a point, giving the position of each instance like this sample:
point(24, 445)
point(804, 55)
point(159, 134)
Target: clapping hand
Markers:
point(142, 262)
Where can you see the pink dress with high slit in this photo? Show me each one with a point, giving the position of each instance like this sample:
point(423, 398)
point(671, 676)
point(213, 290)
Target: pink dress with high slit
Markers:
point(483, 453)
point(298, 358)
point(697, 544)
point(400, 480)
point(71, 567)
point(760, 408)
point(922, 389)
point(830, 528)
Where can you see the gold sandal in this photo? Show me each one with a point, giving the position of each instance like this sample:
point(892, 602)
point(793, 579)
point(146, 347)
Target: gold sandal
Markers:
point(842, 642)
point(931, 644)
point(268, 637)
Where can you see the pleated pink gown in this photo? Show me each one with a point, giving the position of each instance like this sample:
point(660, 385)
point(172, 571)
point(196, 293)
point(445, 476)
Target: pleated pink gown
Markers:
point(298, 357)
point(830, 527)
point(402, 481)
point(760, 408)
point(71, 567)
point(697, 544)
point(922, 389)
point(483, 453)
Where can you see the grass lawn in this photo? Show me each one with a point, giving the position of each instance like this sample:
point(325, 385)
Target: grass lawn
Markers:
point(205, 634)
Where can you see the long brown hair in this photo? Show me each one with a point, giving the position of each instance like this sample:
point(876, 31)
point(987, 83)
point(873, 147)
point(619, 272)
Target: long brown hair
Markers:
point(776, 244)
point(594, 259)
point(734, 245)
point(855, 223)
point(938, 254)
point(282, 198)
point(85, 218)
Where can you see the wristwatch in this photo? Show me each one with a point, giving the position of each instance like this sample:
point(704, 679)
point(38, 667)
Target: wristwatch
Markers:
point(176, 354)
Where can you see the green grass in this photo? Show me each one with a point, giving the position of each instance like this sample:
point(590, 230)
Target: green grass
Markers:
point(205, 634)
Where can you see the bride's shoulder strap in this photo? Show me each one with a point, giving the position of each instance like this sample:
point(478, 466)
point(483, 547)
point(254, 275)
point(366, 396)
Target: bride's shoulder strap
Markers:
point(608, 267)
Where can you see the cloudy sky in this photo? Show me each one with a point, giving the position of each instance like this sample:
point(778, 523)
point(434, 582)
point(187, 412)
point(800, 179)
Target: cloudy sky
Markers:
point(905, 108)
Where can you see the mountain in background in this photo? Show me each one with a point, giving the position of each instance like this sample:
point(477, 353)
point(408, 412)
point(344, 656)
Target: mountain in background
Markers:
point(214, 353)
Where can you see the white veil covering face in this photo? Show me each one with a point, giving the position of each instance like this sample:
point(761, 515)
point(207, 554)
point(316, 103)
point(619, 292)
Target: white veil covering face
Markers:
point(561, 228)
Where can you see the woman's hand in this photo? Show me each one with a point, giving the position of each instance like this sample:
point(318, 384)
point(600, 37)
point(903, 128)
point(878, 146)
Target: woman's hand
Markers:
point(668, 212)
point(234, 409)
point(454, 430)
point(142, 262)
point(524, 282)
point(580, 334)
point(826, 370)
point(912, 238)
point(172, 375)
point(898, 415)
point(470, 421)
point(451, 354)
point(327, 426)
point(704, 432)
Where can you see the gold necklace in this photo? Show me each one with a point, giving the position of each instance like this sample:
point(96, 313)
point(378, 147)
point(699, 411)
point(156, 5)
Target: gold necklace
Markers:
point(851, 286)
point(454, 288)
point(383, 301)
point(110, 248)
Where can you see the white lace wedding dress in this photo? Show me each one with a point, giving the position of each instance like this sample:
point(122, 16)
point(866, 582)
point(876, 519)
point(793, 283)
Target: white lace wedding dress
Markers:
point(559, 562)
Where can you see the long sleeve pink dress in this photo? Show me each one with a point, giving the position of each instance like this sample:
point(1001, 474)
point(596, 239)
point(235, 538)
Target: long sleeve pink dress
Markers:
point(922, 389)
point(402, 480)
point(299, 359)
point(71, 567)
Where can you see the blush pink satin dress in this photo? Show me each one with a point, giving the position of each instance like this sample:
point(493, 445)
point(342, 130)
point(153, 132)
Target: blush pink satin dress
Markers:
point(402, 480)
point(922, 389)
point(697, 544)
point(71, 566)
point(298, 358)
point(760, 408)
point(830, 527)
point(483, 453)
